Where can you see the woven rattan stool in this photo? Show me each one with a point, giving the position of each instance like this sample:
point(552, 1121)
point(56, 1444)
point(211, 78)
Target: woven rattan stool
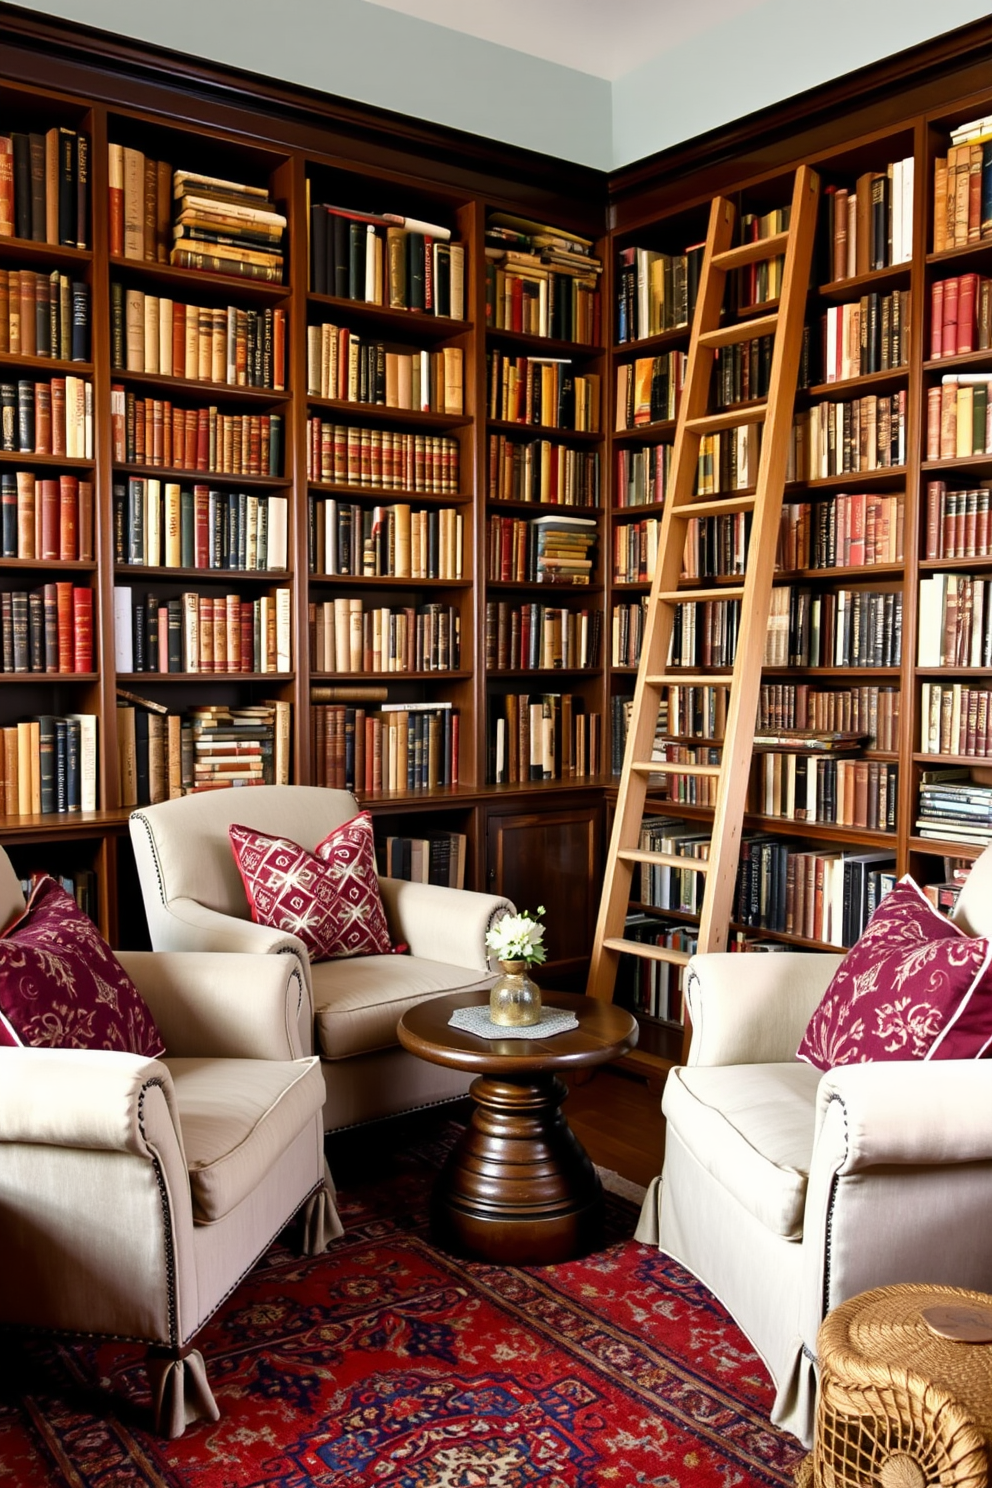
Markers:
point(899, 1406)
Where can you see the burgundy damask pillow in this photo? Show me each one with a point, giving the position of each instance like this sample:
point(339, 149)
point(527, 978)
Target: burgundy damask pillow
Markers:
point(328, 898)
point(62, 987)
point(914, 987)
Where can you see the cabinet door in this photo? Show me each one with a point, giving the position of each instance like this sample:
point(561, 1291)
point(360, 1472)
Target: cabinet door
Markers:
point(554, 858)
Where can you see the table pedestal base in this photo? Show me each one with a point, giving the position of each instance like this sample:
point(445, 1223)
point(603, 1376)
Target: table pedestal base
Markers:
point(518, 1188)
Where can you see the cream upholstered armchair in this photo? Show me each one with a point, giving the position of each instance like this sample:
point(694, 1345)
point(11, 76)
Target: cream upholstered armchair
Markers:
point(135, 1193)
point(195, 900)
point(787, 1190)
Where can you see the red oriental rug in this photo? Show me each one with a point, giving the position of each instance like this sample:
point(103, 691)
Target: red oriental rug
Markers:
point(386, 1362)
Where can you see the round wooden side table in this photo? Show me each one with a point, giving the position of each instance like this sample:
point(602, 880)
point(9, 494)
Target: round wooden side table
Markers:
point(518, 1188)
point(898, 1404)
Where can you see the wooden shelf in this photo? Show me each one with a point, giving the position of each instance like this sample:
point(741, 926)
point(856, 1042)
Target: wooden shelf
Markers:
point(203, 477)
point(188, 285)
point(52, 365)
point(26, 251)
point(383, 497)
point(198, 387)
point(544, 431)
point(527, 344)
point(894, 276)
point(421, 325)
point(382, 412)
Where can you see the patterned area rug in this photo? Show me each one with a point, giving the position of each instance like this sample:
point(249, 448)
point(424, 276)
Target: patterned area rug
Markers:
point(386, 1362)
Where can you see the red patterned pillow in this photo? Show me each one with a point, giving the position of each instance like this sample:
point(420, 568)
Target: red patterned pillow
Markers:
point(61, 985)
point(328, 898)
point(914, 987)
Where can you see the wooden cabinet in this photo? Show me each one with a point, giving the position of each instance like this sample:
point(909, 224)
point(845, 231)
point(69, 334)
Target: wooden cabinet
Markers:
point(551, 855)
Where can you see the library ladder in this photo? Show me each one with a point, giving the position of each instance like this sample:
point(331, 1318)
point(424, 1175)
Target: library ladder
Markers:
point(655, 676)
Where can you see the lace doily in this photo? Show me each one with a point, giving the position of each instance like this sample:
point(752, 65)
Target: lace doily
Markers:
point(477, 1020)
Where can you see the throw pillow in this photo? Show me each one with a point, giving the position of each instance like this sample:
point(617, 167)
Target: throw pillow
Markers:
point(61, 985)
point(913, 987)
point(329, 898)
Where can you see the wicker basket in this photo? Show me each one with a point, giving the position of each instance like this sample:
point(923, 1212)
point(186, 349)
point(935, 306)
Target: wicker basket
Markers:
point(899, 1406)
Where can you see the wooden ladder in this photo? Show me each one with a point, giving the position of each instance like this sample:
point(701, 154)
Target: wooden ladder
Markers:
point(654, 676)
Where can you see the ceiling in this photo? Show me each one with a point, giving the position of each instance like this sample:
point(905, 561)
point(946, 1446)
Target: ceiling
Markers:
point(606, 40)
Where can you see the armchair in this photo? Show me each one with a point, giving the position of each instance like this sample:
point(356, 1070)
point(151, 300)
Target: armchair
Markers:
point(195, 900)
point(136, 1193)
point(787, 1190)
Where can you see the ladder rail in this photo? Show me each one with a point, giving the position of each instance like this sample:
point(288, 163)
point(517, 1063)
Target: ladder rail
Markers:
point(654, 677)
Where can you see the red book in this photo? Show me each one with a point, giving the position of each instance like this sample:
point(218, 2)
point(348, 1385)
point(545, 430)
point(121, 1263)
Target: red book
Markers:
point(967, 297)
point(949, 343)
point(247, 636)
point(66, 625)
point(57, 414)
point(454, 748)
point(178, 439)
point(82, 629)
point(178, 340)
point(47, 494)
point(279, 352)
point(856, 517)
point(201, 527)
point(937, 320)
point(42, 419)
point(255, 426)
point(118, 423)
point(167, 433)
point(140, 442)
point(935, 491)
point(933, 423)
point(84, 520)
point(516, 304)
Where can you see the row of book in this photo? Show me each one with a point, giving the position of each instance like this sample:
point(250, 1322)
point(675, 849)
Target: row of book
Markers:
point(955, 621)
point(848, 628)
point(960, 315)
point(673, 785)
point(865, 336)
point(541, 281)
point(635, 550)
point(650, 988)
point(957, 522)
point(656, 291)
point(825, 895)
point(716, 547)
point(161, 524)
point(382, 459)
point(351, 369)
point(845, 531)
point(541, 550)
point(163, 755)
point(539, 471)
point(150, 333)
point(743, 371)
point(641, 476)
point(844, 438)
point(438, 858)
point(542, 736)
point(954, 719)
point(48, 629)
point(45, 186)
point(195, 633)
point(47, 418)
point(349, 638)
point(870, 710)
point(959, 416)
point(80, 885)
point(728, 460)
point(46, 517)
point(627, 632)
point(870, 225)
point(394, 541)
point(704, 633)
point(962, 187)
point(955, 806)
point(760, 282)
point(153, 431)
point(534, 637)
point(45, 315)
point(398, 747)
point(649, 389)
point(541, 390)
point(855, 793)
point(386, 259)
point(48, 765)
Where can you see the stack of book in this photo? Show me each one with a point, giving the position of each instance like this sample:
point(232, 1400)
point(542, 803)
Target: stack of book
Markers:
point(656, 291)
point(541, 280)
point(44, 187)
point(384, 258)
point(563, 550)
point(962, 187)
point(163, 755)
point(226, 227)
point(45, 315)
point(870, 711)
point(955, 807)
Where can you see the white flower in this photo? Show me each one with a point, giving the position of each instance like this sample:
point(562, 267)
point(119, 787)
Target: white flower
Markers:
point(518, 938)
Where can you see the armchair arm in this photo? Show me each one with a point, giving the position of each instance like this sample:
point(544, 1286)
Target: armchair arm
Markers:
point(225, 1006)
point(753, 1009)
point(87, 1098)
point(442, 924)
point(194, 927)
point(910, 1113)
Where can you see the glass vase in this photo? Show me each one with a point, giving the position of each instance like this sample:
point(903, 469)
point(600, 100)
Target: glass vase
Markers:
point(514, 1000)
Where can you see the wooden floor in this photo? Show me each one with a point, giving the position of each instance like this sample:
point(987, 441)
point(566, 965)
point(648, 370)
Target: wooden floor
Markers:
point(618, 1120)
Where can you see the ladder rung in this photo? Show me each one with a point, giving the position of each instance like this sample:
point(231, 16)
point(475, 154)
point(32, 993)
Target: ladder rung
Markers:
point(668, 767)
point(743, 413)
point(744, 330)
point(649, 952)
point(748, 253)
point(717, 507)
point(680, 596)
point(665, 860)
point(681, 680)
